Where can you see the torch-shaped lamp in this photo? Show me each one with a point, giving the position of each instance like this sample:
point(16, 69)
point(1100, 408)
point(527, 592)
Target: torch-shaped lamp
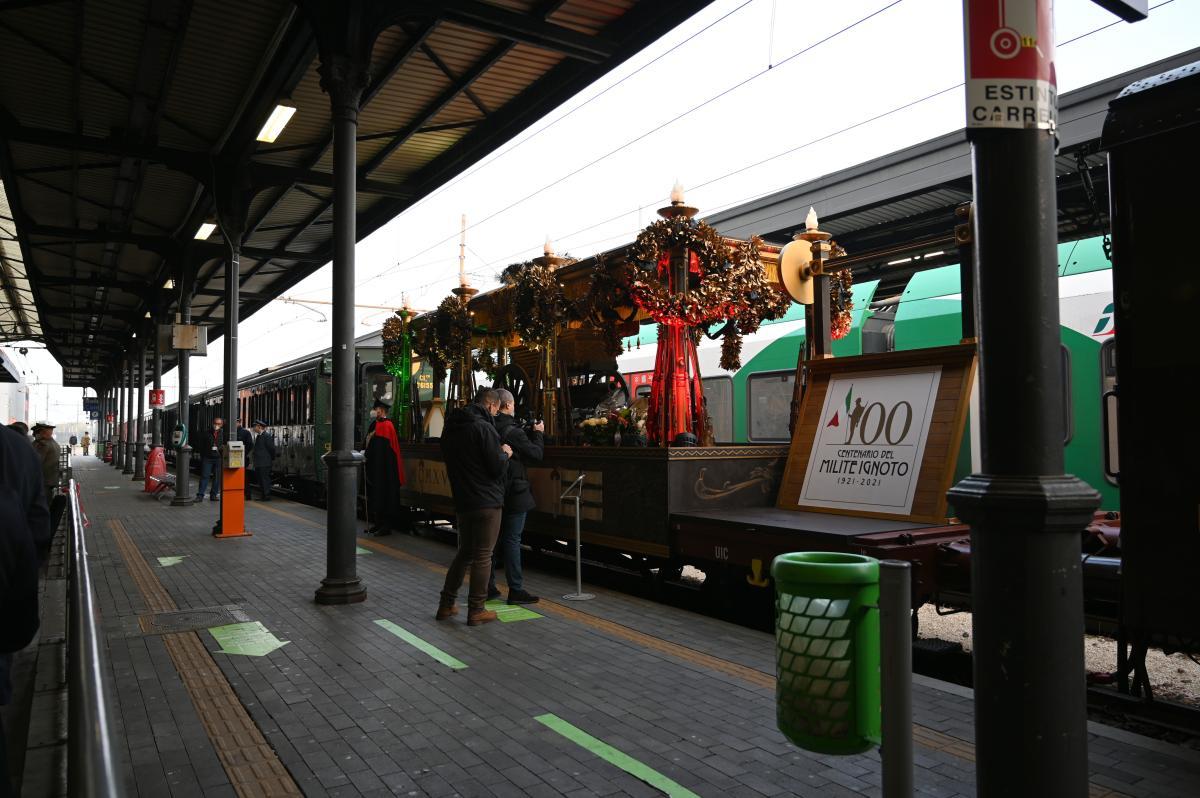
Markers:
point(676, 393)
point(551, 378)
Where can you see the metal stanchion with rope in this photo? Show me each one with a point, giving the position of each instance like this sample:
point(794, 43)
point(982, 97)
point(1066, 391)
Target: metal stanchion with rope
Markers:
point(577, 487)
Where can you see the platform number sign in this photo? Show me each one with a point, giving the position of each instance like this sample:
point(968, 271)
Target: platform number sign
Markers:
point(1011, 81)
point(870, 441)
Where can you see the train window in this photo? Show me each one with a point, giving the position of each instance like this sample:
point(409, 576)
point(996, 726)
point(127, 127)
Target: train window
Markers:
point(380, 384)
point(1068, 416)
point(718, 396)
point(1108, 409)
point(769, 405)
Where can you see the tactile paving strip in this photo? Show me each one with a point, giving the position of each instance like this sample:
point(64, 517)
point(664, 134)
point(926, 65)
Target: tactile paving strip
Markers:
point(251, 764)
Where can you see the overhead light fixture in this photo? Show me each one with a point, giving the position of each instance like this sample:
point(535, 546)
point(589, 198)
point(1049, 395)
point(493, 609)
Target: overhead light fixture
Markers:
point(276, 122)
point(205, 230)
point(898, 262)
point(147, 314)
point(169, 284)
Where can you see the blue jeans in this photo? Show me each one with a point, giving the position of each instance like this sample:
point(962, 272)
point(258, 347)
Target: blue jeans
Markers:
point(508, 545)
point(210, 469)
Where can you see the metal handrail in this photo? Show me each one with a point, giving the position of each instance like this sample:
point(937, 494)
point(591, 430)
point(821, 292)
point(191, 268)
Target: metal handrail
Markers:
point(91, 756)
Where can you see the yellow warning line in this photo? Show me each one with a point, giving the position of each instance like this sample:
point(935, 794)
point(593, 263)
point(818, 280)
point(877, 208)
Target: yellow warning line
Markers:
point(249, 761)
point(928, 738)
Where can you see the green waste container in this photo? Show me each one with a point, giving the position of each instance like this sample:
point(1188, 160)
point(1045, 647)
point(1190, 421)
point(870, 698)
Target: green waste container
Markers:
point(827, 695)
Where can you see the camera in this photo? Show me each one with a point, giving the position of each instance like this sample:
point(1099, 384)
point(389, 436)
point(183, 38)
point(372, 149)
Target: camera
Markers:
point(528, 424)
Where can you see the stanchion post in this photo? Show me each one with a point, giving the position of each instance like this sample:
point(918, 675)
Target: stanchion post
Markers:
point(577, 487)
point(895, 633)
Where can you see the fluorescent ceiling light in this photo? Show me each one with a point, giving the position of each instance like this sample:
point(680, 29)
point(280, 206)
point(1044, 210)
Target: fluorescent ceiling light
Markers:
point(934, 254)
point(276, 122)
point(205, 230)
point(898, 262)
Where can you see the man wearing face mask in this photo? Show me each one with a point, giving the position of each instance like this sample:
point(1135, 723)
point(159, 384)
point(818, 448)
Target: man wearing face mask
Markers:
point(210, 460)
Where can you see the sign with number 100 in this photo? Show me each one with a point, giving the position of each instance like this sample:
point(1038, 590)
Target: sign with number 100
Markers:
point(870, 440)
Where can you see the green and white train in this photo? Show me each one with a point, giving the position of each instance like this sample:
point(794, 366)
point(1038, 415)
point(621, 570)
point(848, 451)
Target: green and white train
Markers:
point(752, 404)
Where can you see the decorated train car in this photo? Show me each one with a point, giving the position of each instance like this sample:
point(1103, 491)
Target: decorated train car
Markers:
point(749, 405)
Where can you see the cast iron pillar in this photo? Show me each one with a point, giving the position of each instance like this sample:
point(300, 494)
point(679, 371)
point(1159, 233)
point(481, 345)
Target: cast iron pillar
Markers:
point(346, 34)
point(1026, 515)
point(183, 450)
point(130, 421)
point(139, 445)
point(232, 203)
point(156, 432)
point(123, 416)
point(118, 408)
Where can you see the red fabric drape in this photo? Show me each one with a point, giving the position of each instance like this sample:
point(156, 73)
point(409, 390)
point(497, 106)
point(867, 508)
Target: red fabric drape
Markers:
point(385, 429)
point(676, 393)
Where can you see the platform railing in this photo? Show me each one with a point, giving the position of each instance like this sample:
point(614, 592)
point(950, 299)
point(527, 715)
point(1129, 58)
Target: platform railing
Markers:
point(91, 756)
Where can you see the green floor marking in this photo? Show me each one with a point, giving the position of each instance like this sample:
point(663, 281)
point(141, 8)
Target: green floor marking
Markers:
point(361, 550)
point(510, 612)
point(418, 643)
point(251, 639)
point(614, 757)
point(167, 562)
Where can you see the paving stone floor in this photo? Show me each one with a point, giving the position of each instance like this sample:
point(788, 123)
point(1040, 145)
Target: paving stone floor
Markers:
point(351, 709)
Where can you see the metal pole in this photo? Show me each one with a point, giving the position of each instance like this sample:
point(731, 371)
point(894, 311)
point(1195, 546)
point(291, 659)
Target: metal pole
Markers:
point(139, 445)
point(118, 460)
point(895, 628)
point(156, 431)
point(127, 464)
point(578, 595)
point(343, 78)
point(183, 452)
point(1025, 514)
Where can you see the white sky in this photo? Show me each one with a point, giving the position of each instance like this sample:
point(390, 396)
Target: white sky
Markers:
point(909, 51)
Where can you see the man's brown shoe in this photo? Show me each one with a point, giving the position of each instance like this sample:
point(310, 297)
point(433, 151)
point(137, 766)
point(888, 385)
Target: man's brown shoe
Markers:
point(480, 617)
point(445, 612)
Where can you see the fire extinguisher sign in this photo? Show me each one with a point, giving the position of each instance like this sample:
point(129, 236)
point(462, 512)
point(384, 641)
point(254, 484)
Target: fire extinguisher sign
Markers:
point(1010, 64)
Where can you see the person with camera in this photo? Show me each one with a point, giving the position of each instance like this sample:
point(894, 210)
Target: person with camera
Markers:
point(528, 446)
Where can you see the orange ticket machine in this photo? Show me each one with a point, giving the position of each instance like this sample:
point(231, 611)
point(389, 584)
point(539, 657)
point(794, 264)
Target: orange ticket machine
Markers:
point(232, 523)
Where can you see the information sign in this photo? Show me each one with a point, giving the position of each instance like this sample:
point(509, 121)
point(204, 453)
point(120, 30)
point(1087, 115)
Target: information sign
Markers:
point(870, 441)
point(1011, 82)
point(91, 404)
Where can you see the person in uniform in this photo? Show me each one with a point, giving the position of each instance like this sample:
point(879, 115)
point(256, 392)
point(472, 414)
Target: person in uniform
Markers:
point(86, 443)
point(384, 472)
point(209, 447)
point(246, 438)
point(262, 458)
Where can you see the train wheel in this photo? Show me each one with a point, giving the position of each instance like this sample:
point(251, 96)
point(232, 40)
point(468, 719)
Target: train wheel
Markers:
point(515, 380)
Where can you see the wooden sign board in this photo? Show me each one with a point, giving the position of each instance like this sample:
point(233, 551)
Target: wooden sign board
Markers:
point(878, 435)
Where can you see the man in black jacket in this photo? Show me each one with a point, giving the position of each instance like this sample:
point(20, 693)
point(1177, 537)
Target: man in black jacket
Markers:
point(209, 448)
point(246, 438)
point(518, 499)
point(262, 459)
point(476, 462)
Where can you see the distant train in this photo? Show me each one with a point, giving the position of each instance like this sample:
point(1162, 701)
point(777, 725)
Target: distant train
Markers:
point(14, 393)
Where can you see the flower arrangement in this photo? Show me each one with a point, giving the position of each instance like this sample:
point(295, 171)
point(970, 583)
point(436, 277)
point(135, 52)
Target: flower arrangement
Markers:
point(603, 429)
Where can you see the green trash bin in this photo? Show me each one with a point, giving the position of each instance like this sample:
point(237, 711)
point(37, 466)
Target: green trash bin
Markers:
point(827, 694)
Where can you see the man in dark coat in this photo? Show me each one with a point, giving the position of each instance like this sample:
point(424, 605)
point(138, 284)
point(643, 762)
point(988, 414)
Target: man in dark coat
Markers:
point(384, 473)
point(262, 459)
point(476, 461)
point(246, 438)
point(24, 539)
point(518, 499)
point(208, 446)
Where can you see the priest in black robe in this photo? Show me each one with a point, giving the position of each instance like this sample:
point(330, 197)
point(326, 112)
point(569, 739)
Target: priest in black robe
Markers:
point(384, 474)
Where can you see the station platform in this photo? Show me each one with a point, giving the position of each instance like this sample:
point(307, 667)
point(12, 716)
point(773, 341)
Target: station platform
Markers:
point(232, 681)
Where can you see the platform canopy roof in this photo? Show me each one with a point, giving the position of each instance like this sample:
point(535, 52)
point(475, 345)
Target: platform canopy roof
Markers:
point(116, 114)
point(910, 195)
